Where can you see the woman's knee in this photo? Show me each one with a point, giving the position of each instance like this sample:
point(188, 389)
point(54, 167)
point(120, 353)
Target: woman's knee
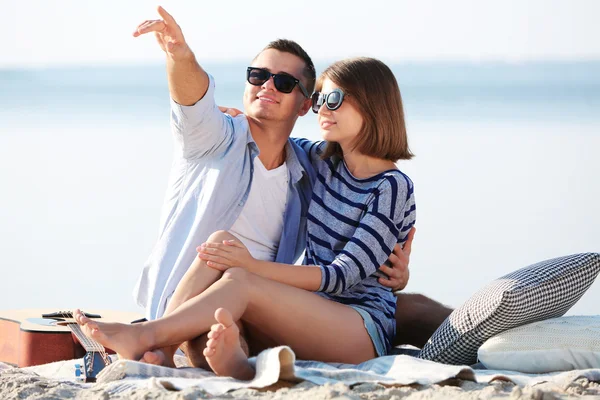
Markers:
point(236, 274)
point(216, 237)
point(241, 280)
point(219, 236)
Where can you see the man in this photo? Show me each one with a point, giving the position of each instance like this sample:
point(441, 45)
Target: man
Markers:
point(219, 157)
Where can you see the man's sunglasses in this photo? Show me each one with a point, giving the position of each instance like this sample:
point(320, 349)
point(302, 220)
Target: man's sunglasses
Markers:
point(283, 82)
point(332, 100)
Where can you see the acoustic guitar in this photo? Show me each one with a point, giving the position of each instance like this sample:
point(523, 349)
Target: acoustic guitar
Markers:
point(41, 336)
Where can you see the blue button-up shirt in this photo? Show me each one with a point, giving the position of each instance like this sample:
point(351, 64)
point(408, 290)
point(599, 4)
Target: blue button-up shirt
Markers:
point(208, 187)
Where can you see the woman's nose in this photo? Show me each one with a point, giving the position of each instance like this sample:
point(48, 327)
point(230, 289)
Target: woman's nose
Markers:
point(323, 110)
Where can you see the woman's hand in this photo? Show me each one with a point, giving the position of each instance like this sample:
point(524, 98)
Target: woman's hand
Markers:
point(225, 255)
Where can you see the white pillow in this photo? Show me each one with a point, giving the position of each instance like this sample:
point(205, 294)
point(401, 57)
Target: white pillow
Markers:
point(558, 344)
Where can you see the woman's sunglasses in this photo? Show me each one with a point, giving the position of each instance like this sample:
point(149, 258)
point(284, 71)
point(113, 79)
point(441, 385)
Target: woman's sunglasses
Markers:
point(332, 100)
point(283, 82)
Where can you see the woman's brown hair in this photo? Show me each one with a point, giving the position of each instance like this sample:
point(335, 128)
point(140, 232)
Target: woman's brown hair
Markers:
point(372, 89)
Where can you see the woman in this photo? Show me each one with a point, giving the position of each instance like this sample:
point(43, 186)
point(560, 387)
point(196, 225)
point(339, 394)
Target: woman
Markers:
point(361, 207)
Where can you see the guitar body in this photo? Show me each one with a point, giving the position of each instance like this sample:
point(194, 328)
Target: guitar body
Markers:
point(26, 338)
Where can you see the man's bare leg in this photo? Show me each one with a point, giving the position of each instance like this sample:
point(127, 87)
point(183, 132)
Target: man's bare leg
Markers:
point(417, 318)
point(196, 280)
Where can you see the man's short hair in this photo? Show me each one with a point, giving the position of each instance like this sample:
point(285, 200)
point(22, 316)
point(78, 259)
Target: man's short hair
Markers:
point(291, 47)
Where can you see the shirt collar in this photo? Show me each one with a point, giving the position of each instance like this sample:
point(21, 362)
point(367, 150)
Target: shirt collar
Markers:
point(294, 167)
point(293, 164)
point(291, 159)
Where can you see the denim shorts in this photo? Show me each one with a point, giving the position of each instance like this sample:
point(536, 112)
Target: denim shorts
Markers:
point(373, 332)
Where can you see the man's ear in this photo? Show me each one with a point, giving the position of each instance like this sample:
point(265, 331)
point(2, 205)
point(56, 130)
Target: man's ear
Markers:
point(306, 106)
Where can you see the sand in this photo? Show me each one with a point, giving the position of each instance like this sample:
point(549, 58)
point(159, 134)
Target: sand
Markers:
point(16, 384)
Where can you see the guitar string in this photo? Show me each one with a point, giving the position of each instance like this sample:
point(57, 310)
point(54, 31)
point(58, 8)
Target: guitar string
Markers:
point(91, 344)
point(87, 343)
point(83, 340)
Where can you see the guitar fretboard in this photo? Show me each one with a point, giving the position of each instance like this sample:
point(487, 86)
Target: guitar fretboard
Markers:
point(87, 343)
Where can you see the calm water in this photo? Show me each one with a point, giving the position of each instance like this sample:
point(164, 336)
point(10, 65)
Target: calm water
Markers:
point(506, 174)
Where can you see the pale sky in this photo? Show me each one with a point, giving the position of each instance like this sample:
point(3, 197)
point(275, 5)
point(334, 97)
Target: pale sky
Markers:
point(59, 32)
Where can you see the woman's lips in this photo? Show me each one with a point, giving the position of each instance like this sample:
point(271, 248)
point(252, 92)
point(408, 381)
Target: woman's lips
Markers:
point(326, 124)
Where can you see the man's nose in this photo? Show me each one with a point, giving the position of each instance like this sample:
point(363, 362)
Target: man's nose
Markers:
point(269, 84)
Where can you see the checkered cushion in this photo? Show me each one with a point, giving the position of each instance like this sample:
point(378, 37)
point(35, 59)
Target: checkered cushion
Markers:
point(534, 293)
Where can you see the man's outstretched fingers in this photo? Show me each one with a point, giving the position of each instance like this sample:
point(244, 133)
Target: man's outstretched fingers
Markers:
point(150, 26)
point(166, 16)
point(136, 33)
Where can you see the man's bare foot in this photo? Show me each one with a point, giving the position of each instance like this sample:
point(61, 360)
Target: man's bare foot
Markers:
point(193, 349)
point(124, 339)
point(162, 357)
point(223, 350)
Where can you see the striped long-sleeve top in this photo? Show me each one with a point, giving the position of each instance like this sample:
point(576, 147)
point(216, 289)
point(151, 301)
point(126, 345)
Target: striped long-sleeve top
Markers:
point(353, 225)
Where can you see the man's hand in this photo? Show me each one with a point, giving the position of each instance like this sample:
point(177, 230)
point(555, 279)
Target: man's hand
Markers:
point(398, 273)
point(168, 34)
point(234, 112)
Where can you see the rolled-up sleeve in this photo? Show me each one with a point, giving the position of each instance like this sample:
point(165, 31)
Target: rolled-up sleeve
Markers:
point(201, 129)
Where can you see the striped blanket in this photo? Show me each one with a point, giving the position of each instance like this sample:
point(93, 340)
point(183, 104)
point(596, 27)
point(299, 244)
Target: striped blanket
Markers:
point(279, 364)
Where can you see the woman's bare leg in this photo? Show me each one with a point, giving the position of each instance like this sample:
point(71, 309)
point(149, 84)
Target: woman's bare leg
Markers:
point(314, 327)
point(197, 279)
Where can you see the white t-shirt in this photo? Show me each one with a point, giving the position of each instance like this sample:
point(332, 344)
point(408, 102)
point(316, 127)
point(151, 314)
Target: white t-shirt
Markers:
point(260, 223)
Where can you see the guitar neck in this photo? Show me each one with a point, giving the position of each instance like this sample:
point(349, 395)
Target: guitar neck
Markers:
point(89, 344)
point(95, 359)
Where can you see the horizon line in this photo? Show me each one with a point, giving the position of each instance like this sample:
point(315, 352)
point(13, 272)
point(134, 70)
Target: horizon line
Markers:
point(439, 61)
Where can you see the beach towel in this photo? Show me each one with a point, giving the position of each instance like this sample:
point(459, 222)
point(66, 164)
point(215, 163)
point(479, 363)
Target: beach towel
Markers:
point(277, 364)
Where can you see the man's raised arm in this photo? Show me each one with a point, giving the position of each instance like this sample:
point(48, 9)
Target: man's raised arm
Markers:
point(188, 82)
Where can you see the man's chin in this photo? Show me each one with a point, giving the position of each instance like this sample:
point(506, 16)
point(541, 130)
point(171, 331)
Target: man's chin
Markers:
point(261, 113)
